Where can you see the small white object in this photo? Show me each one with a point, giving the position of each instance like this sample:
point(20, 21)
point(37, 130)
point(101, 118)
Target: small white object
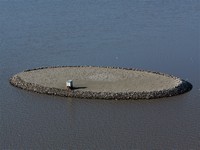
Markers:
point(69, 83)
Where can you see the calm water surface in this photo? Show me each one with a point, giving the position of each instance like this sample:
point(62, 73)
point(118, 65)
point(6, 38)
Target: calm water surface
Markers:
point(158, 35)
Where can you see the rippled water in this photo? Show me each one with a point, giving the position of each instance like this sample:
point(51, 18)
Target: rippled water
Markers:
point(153, 35)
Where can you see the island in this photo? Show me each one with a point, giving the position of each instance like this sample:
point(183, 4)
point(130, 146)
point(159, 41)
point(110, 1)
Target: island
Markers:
point(90, 82)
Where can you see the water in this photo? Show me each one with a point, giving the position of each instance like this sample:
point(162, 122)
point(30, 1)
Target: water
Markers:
point(153, 35)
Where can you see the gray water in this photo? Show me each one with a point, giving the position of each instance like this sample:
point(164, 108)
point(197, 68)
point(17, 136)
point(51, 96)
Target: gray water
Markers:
point(157, 35)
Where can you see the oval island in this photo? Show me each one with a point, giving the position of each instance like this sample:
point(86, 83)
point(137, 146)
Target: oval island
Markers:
point(100, 82)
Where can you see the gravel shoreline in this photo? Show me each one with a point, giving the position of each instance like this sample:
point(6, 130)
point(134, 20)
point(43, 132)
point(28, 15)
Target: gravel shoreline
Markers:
point(101, 82)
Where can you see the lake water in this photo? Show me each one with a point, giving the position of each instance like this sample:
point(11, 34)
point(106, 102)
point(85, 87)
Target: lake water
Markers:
point(157, 35)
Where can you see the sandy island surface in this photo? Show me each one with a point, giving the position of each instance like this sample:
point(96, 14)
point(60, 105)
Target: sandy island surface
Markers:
point(101, 82)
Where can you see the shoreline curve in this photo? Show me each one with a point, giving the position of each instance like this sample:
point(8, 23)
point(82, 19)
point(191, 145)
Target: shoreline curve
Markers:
point(109, 80)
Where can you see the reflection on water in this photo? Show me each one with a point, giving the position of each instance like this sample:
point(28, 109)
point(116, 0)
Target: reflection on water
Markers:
point(153, 35)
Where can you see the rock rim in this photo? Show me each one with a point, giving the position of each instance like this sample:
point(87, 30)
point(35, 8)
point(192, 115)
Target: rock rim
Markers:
point(181, 87)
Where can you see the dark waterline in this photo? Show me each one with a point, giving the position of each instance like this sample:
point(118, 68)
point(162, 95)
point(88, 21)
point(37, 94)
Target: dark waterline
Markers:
point(153, 35)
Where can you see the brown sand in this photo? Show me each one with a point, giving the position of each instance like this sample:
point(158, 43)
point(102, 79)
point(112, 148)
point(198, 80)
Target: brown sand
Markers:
point(100, 79)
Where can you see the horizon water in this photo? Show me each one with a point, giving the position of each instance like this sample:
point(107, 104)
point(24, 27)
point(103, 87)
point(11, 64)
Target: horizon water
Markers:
point(154, 35)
